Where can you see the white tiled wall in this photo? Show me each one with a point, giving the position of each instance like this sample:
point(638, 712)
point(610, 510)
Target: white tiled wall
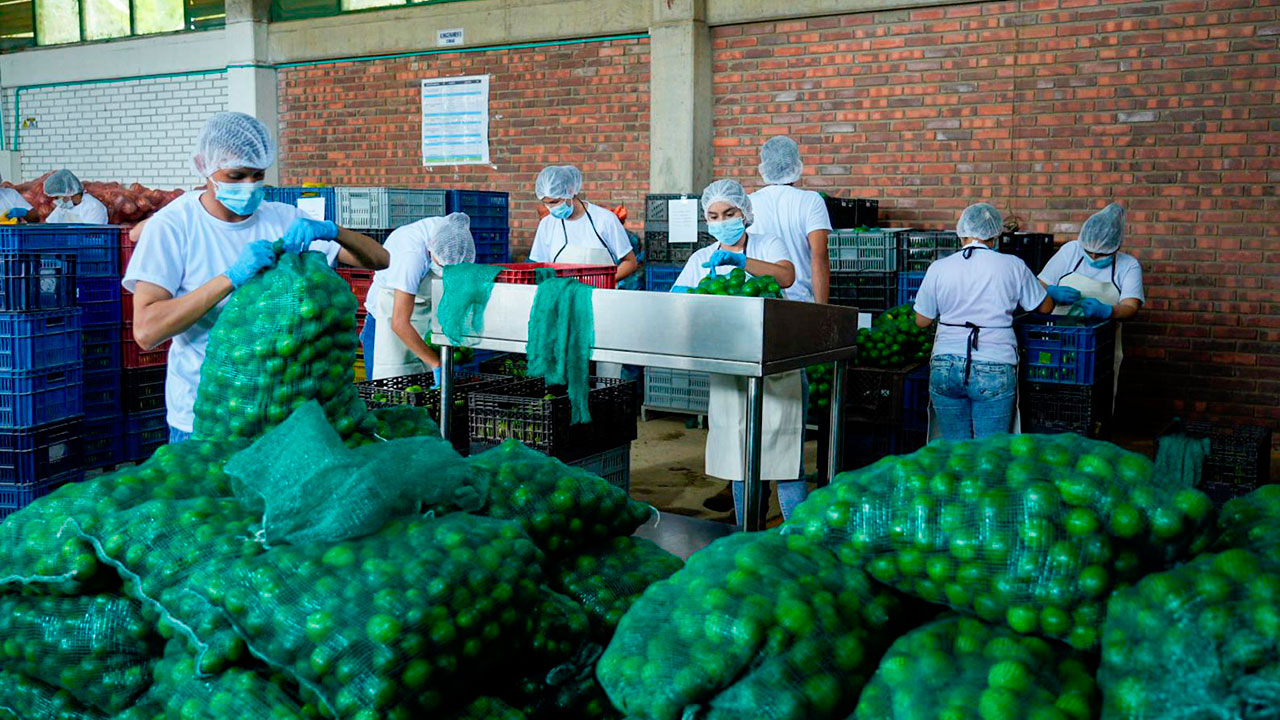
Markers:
point(131, 131)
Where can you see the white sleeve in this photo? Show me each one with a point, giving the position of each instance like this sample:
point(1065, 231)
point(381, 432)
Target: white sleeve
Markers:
point(926, 303)
point(1057, 265)
point(775, 252)
point(816, 218)
point(614, 234)
point(693, 272)
point(10, 198)
point(1030, 292)
point(408, 266)
point(159, 257)
point(1130, 281)
point(93, 211)
point(539, 252)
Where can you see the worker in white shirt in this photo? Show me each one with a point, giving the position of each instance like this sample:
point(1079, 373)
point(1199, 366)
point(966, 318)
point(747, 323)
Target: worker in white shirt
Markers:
point(576, 231)
point(12, 205)
point(71, 204)
point(798, 217)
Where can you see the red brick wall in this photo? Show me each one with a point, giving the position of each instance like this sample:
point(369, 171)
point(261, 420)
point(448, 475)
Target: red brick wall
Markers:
point(1049, 109)
point(359, 123)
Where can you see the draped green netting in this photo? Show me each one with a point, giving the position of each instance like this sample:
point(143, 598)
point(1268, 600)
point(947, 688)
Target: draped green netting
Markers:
point(561, 332)
point(542, 274)
point(1180, 458)
point(467, 287)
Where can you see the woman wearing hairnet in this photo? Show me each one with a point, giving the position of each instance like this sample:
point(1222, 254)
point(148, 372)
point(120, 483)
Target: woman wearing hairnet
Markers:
point(797, 217)
point(399, 300)
point(973, 375)
point(576, 231)
point(199, 248)
point(730, 219)
point(1091, 273)
point(71, 203)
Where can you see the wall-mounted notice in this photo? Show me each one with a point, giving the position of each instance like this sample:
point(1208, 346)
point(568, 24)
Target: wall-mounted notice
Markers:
point(455, 121)
point(450, 37)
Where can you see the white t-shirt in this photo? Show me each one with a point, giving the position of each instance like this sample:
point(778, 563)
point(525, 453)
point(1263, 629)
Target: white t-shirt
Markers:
point(89, 212)
point(790, 214)
point(985, 290)
point(550, 238)
point(182, 248)
point(10, 199)
point(410, 263)
point(765, 248)
point(1070, 258)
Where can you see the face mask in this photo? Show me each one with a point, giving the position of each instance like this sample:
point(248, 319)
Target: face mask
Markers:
point(562, 211)
point(1102, 261)
point(241, 198)
point(63, 203)
point(728, 232)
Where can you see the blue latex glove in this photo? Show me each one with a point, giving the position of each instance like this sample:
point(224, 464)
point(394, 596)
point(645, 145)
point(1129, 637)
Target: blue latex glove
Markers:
point(435, 373)
point(1064, 295)
point(17, 213)
point(255, 256)
point(1095, 310)
point(724, 257)
point(304, 231)
point(680, 288)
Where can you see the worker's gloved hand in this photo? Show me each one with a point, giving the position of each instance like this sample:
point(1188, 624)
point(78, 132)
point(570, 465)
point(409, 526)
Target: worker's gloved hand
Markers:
point(1095, 310)
point(255, 256)
point(724, 257)
point(1064, 295)
point(680, 288)
point(304, 231)
point(18, 213)
point(435, 373)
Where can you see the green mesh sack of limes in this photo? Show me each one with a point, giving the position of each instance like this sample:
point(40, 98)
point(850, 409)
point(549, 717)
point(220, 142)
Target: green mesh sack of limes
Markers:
point(894, 340)
point(180, 691)
point(1034, 531)
point(1200, 641)
point(960, 668)
point(607, 579)
point(22, 698)
point(287, 336)
point(739, 284)
point(755, 625)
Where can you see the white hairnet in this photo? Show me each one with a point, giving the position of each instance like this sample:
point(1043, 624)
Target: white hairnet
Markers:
point(233, 140)
point(981, 221)
point(1104, 230)
point(559, 181)
point(732, 192)
point(780, 161)
point(451, 243)
point(62, 184)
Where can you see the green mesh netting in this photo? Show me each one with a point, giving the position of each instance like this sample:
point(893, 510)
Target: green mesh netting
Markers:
point(568, 691)
point(467, 287)
point(561, 333)
point(485, 708)
point(960, 668)
point(1180, 458)
point(1030, 530)
point(22, 698)
point(1201, 641)
point(235, 694)
point(312, 489)
point(542, 274)
point(755, 625)
point(287, 336)
point(607, 579)
point(1252, 522)
point(558, 628)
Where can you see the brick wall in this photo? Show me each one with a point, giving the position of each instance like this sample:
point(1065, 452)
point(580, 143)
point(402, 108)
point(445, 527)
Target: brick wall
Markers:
point(132, 131)
point(359, 123)
point(1049, 109)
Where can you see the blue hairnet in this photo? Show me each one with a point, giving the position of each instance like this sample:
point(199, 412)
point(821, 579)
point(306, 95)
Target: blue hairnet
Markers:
point(62, 184)
point(559, 181)
point(981, 221)
point(1104, 230)
point(233, 140)
point(780, 161)
point(732, 192)
point(451, 242)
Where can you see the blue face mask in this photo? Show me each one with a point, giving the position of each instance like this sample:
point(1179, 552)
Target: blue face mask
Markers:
point(241, 198)
point(1102, 261)
point(562, 211)
point(728, 232)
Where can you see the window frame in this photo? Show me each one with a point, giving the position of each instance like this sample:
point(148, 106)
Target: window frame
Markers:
point(188, 25)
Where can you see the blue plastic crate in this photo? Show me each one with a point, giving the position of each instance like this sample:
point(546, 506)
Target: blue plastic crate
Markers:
point(908, 286)
point(143, 434)
point(101, 393)
point(34, 281)
point(492, 246)
point(39, 340)
point(36, 397)
point(100, 349)
point(290, 195)
point(1067, 350)
point(33, 454)
point(103, 444)
point(487, 210)
point(16, 497)
point(660, 277)
point(97, 247)
point(915, 400)
point(100, 300)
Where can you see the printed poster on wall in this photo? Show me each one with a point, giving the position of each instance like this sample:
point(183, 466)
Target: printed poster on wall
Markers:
point(455, 121)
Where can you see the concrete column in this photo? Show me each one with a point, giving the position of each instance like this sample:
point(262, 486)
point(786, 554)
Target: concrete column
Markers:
point(11, 166)
point(680, 127)
point(251, 89)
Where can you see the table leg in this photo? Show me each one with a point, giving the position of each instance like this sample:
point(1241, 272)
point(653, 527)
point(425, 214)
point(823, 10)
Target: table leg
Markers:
point(751, 516)
point(446, 392)
point(837, 421)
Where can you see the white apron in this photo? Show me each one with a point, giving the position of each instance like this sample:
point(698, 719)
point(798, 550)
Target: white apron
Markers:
point(584, 255)
point(391, 357)
point(1108, 294)
point(781, 439)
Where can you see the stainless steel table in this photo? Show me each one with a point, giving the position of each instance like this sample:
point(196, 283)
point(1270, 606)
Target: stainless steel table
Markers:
point(747, 337)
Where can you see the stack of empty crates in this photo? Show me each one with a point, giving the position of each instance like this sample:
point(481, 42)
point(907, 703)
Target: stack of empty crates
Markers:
point(41, 420)
point(1067, 374)
point(864, 268)
point(133, 424)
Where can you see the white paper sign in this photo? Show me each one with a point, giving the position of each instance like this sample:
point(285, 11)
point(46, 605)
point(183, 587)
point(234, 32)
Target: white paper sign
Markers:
point(682, 220)
point(314, 207)
point(455, 121)
point(452, 36)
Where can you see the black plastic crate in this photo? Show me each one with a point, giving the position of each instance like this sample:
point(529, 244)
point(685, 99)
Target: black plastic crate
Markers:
point(33, 281)
point(1055, 408)
point(655, 207)
point(389, 392)
point(867, 291)
point(921, 248)
point(143, 390)
point(510, 365)
point(865, 443)
point(539, 416)
point(1239, 455)
point(35, 454)
point(658, 250)
point(1034, 249)
point(846, 213)
point(879, 395)
point(103, 442)
point(143, 434)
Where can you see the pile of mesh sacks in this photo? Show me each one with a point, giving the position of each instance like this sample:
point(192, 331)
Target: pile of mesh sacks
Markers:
point(302, 557)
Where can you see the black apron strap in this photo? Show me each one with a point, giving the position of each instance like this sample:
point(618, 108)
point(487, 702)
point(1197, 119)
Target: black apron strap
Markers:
point(970, 345)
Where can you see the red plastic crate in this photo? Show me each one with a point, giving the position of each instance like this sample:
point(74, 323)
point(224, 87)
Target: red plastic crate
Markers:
point(360, 282)
point(135, 356)
point(600, 276)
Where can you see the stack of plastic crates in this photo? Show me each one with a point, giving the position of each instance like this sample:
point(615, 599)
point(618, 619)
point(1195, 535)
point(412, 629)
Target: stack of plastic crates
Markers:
point(660, 277)
point(1067, 374)
point(886, 412)
point(490, 215)
point(681, 391)
point(1035, 249)
point(921, 248)
point(117, 430)
point(539, 416)
point(41, 371)
point(1239, 460)
point(657, 245)
point(291, 196)
point(864, 265)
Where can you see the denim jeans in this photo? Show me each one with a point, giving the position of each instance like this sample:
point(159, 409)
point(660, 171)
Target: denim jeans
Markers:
point(983, 407)
point(177, 436)
point(366, 342)
point(790, 494)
